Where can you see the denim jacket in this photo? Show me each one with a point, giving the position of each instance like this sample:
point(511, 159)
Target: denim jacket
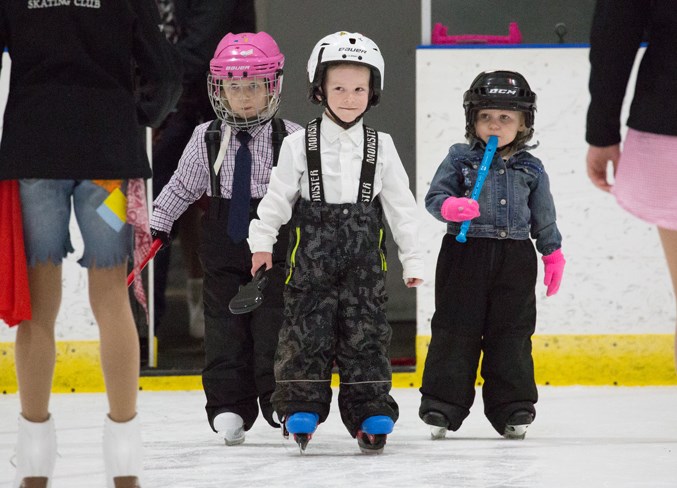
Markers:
point(515, 199)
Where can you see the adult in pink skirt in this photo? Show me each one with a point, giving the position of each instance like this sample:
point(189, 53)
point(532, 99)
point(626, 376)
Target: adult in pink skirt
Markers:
point(645, 182)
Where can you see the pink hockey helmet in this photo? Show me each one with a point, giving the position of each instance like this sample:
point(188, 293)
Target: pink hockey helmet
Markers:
point(250, 60)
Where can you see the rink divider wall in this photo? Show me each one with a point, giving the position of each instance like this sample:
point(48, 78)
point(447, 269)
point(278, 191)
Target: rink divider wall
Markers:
point(611, 323)
point(560, 360)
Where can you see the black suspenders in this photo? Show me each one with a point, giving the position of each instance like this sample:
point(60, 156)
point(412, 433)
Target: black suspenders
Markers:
point(315, 187)
point(367, 174)
point(213, 142)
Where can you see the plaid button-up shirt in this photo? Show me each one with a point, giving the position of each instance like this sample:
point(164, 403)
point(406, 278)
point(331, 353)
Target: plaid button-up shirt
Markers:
point(191, 179)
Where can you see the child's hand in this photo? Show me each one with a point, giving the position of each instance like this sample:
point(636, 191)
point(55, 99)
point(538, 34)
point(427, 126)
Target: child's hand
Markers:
point(457, 209)
point(413, 282)
point(554, 269)
point(261, 258)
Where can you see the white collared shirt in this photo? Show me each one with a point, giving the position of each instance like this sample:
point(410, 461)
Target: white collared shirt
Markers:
point(342, 152)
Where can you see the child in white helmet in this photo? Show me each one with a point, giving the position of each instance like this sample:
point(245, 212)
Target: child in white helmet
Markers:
point(231, 159)
point(485, 301)
point(335, 182)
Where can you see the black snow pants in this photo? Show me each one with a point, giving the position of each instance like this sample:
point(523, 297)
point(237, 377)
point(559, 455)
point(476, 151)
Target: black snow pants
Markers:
point(485, 303)
point(335, 313)
point(239, 349)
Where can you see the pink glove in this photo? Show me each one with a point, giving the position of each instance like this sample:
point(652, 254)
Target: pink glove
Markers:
point(457, 209)
point(554, 269)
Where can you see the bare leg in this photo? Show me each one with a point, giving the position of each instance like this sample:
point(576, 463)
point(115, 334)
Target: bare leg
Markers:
point(35, 353)
point(119, 339)
point(669, 240)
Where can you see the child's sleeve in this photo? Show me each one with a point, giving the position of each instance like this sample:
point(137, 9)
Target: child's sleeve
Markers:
point(399, 207)
point(543, 216)
point(188, 183)
point(275, 209)
point(445, 184)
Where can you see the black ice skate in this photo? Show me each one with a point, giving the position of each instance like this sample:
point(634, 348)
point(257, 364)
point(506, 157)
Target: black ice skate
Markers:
point(302, 425)
point(517, 424)
point(438, 424)
point(372, 436)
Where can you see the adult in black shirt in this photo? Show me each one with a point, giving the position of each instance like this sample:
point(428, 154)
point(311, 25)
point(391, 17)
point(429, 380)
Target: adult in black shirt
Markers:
point(646, 169)
point(85, 77)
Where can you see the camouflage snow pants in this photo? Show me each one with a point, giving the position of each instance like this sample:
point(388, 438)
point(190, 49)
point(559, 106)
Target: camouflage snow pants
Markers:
point(335, 312)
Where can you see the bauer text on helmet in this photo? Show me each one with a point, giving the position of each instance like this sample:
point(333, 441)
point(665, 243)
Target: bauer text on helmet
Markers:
point(247, 65)
point(345, 47)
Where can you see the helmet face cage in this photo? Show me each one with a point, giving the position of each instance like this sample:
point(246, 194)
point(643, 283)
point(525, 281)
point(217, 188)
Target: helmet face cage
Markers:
point(503, 90)
point(350, 48)
point(230, 96)
point(245, 79)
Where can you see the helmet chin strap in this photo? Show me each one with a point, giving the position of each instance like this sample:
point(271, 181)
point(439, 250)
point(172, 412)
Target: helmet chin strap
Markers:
point(335, 118)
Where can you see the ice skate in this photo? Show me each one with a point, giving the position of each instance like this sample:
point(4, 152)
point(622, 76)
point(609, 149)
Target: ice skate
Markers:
point(231, 426)
point(35, 453)
point(302, 425)
point(122, 453)
point(372, 436)
point(517, 424)
point(438, 424)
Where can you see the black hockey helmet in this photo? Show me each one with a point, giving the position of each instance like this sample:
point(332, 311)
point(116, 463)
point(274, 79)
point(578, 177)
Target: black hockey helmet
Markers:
point(507, 90)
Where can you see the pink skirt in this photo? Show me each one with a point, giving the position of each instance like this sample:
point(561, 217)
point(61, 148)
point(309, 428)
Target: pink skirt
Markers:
point(646, 178)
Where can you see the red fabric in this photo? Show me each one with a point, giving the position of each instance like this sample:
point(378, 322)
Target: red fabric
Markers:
point(137, 216)
point(15, 299)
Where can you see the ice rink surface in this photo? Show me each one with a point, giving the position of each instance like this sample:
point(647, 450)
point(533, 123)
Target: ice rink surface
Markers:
point(582, 437)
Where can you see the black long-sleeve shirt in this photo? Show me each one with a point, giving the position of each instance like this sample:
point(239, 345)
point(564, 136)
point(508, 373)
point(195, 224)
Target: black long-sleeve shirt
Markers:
point(202, 24)
point(85, 76)
point(617, 30)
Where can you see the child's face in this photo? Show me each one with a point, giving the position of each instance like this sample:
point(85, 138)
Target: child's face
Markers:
point(505, 124)
point(247, 97)
point(346, 88)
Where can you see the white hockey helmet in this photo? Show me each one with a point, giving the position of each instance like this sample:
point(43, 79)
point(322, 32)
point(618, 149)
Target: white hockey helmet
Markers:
point(345, 47)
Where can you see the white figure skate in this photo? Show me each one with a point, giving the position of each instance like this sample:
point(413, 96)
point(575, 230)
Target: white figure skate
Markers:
point(231, 426)
point(35, 454)
point(122, 453)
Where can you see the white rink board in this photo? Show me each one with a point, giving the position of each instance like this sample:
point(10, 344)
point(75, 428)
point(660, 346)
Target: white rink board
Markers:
point(615, 280)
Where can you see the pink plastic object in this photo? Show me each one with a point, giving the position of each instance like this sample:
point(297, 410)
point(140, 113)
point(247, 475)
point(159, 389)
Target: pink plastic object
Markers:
point(439, 36)
point(457, 209)
point(554, 269)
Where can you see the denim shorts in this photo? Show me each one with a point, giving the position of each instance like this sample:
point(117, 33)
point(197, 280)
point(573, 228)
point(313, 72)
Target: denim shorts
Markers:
point(46, 209)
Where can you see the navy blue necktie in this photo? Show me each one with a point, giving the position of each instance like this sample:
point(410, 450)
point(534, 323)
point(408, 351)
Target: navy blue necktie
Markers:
point(238, 216)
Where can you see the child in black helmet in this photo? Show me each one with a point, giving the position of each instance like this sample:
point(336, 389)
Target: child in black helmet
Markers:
point(485, 298)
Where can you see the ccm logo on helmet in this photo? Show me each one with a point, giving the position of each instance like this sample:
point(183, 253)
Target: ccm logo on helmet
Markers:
point(502, 91)
point(352, 50)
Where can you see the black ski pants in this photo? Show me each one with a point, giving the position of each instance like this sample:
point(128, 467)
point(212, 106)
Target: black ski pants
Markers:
point(485, 303)
point(239, 349)
point(335, 314)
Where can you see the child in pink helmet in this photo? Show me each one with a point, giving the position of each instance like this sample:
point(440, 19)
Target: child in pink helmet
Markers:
point(231, 160)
